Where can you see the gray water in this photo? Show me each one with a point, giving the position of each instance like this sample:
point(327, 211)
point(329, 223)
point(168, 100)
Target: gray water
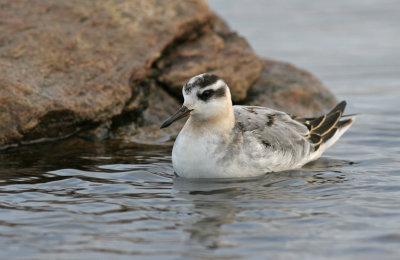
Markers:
point(114, 200)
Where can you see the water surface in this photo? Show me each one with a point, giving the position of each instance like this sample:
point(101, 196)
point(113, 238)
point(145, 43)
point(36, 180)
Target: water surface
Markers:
point(114, 200)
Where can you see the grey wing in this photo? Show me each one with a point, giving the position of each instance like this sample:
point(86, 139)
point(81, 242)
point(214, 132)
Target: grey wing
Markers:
point(288, 138)
point(272, 135)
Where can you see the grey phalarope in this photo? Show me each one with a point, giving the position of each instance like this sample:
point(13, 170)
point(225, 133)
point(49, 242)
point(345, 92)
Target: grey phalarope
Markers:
point(223, 141)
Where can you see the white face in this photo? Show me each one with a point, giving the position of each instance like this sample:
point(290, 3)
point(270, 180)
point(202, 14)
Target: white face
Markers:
point(207, 96)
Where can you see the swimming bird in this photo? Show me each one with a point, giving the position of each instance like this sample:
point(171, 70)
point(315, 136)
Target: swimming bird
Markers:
point(223, 141)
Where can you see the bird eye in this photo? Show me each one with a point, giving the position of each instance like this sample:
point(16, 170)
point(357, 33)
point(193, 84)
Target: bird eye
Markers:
point(207, 94)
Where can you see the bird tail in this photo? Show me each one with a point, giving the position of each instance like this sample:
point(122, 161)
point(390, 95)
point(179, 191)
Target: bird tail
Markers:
point(327, 129)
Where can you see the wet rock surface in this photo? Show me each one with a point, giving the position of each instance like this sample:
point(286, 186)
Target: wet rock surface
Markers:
point(114, 69)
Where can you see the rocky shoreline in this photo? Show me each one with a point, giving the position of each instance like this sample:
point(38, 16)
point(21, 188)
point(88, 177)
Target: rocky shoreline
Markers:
point(103, 69)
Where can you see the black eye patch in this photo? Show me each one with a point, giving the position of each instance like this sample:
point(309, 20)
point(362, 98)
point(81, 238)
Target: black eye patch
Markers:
point(206, 95)
point(220, 92)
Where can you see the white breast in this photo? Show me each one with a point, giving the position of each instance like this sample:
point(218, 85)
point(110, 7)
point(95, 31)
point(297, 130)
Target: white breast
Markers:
point(194, 156)
point(205, 156)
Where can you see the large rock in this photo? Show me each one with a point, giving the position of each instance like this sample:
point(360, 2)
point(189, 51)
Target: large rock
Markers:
point(66, 65)
point(106, 69)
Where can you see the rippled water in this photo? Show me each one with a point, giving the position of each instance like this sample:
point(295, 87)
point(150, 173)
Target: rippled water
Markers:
point(112, 200)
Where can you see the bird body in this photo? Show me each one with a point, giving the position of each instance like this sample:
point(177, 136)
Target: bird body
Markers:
point(224, 141)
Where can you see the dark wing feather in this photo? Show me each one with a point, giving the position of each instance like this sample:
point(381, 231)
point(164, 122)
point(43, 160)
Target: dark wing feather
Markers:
point(327, 125)
point(324, 127)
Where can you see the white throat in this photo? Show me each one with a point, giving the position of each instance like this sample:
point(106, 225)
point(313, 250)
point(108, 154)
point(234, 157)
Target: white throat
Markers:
point(221, 123)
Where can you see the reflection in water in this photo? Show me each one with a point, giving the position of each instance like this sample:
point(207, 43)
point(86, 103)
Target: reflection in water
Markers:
point(118, 199)
point(212, 207)
point(220, 202)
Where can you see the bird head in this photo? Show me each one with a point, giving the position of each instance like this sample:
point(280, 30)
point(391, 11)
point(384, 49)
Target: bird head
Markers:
point(206, 97)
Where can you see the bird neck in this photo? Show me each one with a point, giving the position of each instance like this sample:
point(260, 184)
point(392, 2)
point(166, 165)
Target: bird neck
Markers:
point(222, 123)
